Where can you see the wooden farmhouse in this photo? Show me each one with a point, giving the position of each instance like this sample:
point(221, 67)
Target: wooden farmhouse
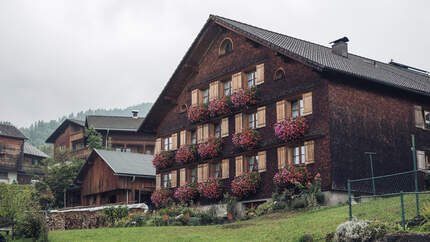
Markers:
point(350, 103)
point(120, 131)
point(19, 160)
point(109, 177)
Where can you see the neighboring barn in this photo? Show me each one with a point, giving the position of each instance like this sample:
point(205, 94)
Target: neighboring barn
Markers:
point(109, 177)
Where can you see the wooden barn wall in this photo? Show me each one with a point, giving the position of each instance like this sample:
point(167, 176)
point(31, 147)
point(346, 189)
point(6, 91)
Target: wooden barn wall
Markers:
point(10, 150)
point(366, 117)
point(64, 138)
point(299, 79)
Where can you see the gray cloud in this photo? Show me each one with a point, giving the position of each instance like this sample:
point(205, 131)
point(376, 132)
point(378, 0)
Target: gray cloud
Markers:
point(58, 57)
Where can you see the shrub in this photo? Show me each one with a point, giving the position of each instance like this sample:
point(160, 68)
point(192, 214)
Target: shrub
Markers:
point(247, 139)
point(158, 221)
point(359, 230)
point(211, 189)
point(163, 159)
point(138, 220)
point(219, 107)
point(244, 98)
point(306, 238)
point(186, 154)
point(186, 193)
point(188, 211)
point(265, 208)
point(161, 198)
point(245, 184)
point(210, 149)
point(194, 221)
point(320, 198)
point(32, 225)
point(198, 113)
point(291, 129)
point(230, 203)
point(298, 202)
point(113, 214)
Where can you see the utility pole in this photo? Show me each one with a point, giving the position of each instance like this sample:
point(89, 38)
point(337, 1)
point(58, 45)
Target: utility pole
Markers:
point(414, 158)
point(370, 154)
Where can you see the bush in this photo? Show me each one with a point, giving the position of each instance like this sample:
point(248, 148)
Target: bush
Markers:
point(158, 221)
point(188, 211)
point(113, 214)
point(359, 230)
point(306, 238)
point(194, 221)
point(138, 220)
point(161, 198)
point(298, 202)
point(320, 198)
point(186, 193)
point(205, 218)
point(265, 208)
point(32, 225)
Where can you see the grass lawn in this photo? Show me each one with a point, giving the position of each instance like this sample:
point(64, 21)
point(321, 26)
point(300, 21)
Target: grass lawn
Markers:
point(287, 226)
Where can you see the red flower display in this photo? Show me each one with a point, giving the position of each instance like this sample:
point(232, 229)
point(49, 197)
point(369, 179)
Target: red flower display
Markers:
point(294, 177)
point(245, 184)
point(219, 107)
point(161, 198)
point(243, 98)
point(210, 149)
point(163, 159)
point(198, 113)
point(186, 193)
point(211, 189)
point(291, 129)
point(186, 154)
point(247, 139)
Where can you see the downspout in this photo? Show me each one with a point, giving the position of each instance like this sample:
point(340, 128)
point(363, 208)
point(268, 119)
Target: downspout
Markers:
point(107, 135)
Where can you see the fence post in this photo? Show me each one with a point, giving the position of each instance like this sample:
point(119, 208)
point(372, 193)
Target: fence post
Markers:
point(402, 206)
point(370, 154)
point(349, 199)
point(414, 157)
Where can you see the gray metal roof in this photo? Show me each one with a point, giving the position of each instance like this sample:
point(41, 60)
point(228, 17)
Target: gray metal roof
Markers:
point(31, 150)
point(120, 123)
point(11, 131)
point(323, 58)
point(127, 163)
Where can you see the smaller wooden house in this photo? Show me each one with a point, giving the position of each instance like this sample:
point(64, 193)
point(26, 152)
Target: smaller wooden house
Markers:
point(109, 177)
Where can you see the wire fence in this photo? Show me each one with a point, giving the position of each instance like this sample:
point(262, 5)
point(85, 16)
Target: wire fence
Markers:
point(398, 197)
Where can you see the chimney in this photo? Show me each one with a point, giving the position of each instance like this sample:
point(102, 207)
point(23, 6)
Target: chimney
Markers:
point(340, 47)
point(134, 112)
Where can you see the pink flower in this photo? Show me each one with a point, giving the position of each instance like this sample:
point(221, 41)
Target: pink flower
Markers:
point(291, 129)
point(245, 184)
point(163, 159)
point(211, 189)
point(210, 149)
point(161, 198)
point(247, 139)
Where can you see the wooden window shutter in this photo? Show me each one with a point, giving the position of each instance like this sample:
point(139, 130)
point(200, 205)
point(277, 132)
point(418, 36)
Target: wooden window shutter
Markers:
point(158, 181)
point(421, 159)
point(224, 127)
point(262, 161)
point(183, 138)
point(260, 74)
point(205, 172)
point(211, 130)
point(280, 110)
point(157, 145)
point(182, 177)
point(290, 156)
point(419, 117)
point(238, 123)
point(310, 152)
point(225, 168)
point(261, 117)
point(174, 141)
point(214, 90)
point(307, 103)
point(282, 157)
point(288, 109)
point(174, 178)
point(200, 173)
point(188, 137)
point(239, 165)
point(195, 97)
point(205, 132)
point(200, 134)
point(236, 82)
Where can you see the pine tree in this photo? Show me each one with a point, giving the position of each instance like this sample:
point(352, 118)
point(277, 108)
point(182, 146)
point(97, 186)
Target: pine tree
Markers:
point(94, 138)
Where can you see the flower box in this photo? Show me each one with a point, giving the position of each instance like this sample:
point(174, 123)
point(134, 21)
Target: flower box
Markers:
point(161, 198)
point(163, 159)
point(210, 149)
point(294, 177)
point(198, 113)
point(247, 139)
point(243, 98)
point(211, 189)
point(246, 184)
point(219, 107)
point(186, 154)
point(186, 193)
point(291, 129)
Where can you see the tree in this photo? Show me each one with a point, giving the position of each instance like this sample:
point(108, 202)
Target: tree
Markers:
point(94, 138)
point(44, 195)
point(15, 199)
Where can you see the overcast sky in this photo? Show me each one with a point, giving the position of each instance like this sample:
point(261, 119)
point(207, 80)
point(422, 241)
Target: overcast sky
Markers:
point(58, 57)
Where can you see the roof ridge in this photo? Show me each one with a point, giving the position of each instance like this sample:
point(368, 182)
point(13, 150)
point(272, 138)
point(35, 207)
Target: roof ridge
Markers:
point(114, 116)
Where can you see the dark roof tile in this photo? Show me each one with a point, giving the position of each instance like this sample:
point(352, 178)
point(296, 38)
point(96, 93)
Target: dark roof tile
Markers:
point(11, 131)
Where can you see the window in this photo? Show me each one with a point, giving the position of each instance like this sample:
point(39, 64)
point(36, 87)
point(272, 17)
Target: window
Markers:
point(253, 163)
point(299, 155)
point(206, 96)
point(252, 120)
point(279, 74)
point(226, 47)
point(3, 175)
point(297, 108)
point(217, 170)
point(193, 137)
point(167, 180)
point(217, 128)
point(227, 88)
point(192, 175)
point(427, 119)
point(168, 143)
point(252, 78)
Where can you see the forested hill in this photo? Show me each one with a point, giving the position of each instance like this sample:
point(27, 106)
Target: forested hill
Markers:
point(40, 130)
